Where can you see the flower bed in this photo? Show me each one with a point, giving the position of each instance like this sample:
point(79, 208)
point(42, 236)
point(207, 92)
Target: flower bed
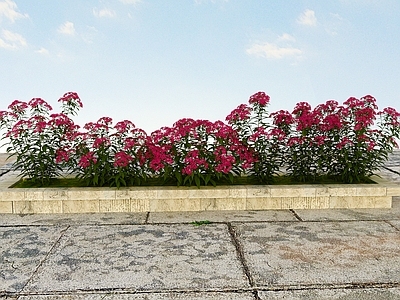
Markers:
point(348, 142)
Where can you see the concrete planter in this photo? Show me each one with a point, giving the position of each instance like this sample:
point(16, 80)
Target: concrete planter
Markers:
point(158, 199)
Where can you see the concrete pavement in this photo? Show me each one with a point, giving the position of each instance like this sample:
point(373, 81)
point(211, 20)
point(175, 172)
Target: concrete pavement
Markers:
point(276, 254)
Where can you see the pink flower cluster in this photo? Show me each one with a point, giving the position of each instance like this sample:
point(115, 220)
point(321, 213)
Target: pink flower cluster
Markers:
point(250, 142)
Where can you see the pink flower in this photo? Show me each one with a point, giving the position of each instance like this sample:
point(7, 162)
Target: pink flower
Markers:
point(295, 141)
point(242, 112)
point(306, 120)
point(100, 141)
point(391, 116)
point(158, 156)
point(320, 140)
point(36, 102)
point(20, 127)
point(259, 98)
point(369, 101)
point(104, 121)
point(364, 117)
point(301, 108)
point(391, 112)
point(60, 120)
point(62, 155)
point(18, 106)
point(345, 141)
point(124, 126)
point(353, 102)
point(71, 97)
point(122, 159)
point(87, 159)
point(330, 122)
point(193, 162)
point(282, 117)
point(225, 161)
point(277, 133)
point(371, 145)
point(40, 126)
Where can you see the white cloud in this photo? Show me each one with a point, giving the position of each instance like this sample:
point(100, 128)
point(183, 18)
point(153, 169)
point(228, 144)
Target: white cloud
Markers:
point(67, 28)
point(307, 18)
point(104, 13)
point(11, 40)
point(281, 48)
point(286, 38)
point(43, 51)
point(273, 51)
point(130, 1)
point(8, 10)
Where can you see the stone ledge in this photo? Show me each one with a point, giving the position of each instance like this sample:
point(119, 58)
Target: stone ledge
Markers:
point(165, 199)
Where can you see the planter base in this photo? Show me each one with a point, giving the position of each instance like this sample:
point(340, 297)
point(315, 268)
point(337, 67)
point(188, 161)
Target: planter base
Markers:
point(164, 199)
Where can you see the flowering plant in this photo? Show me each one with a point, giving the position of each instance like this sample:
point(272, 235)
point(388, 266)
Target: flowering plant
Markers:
point(40, 140)
point(342, 141)
point(111, 155)
point(263, 140)
point(198, 152)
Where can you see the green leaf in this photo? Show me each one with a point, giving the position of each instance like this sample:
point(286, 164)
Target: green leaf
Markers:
point(197, 181)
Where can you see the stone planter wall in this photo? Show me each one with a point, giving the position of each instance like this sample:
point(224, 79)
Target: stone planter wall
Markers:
point(158, 199)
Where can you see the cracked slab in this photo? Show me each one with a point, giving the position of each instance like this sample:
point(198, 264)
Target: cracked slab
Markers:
point(21, 251)
point(152, 296)
point(73, 219)
point(395, 224)
point(336, 294)
point(145, 257)
point(296, 254)
point(222, 216)
point(366, 214)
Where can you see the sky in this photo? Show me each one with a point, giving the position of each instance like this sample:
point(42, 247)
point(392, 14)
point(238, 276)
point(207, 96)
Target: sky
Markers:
point(154, 61)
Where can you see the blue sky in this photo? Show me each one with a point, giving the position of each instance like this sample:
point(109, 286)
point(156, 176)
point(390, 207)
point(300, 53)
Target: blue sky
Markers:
point(154, 62)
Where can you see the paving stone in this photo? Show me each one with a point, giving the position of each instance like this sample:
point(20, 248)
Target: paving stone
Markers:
point(349, 214)
point(390, 175)
point(337, 294)
point(364, 214)
point(22, 249)
point(73, 219)
point(145, 257)
point(222, 216)
point(295, 254)
point(153, 296)
point(396, 224)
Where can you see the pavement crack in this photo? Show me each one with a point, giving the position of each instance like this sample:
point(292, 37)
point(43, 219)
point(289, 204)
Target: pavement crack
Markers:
point(256, 297)
point(240, 253)
point(388, 222)
point(146, 221)
point(393, 171)
point(296, 215)
point(62, 232)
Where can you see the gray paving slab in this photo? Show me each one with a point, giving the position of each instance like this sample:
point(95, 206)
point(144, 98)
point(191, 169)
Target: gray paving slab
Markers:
point(73, 219)
point(365, 214)
point(349, 214)
point(22, 249)
point(396, 224)
point(336, 294)
point(148, 296)
point(390, 175)
point(307, 253)
point(222, 216)
point(141, 257)
point(394, 159)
